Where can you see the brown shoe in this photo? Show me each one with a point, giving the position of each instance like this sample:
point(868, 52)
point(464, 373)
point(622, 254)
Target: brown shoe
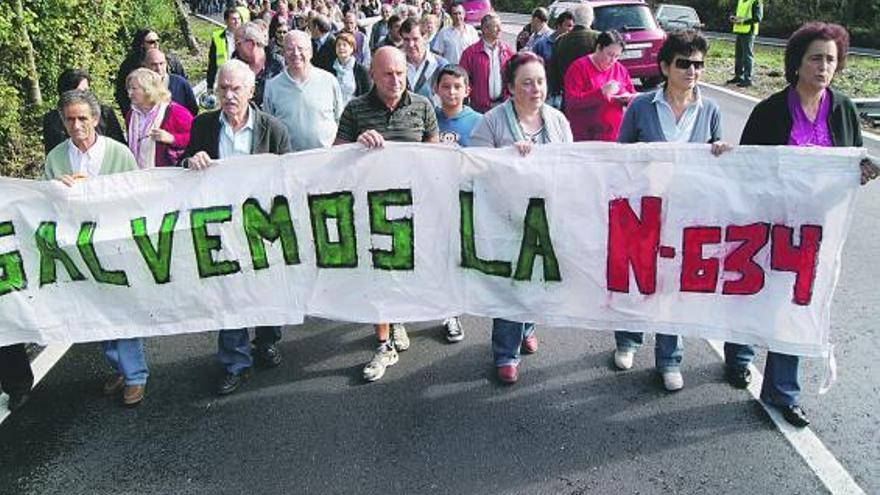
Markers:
point(133, 395)
point(113, 384)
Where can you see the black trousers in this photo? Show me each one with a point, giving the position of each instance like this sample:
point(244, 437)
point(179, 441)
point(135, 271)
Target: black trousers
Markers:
point(15, 369)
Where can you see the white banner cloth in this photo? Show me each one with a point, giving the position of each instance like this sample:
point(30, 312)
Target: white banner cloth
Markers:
point(658, 238)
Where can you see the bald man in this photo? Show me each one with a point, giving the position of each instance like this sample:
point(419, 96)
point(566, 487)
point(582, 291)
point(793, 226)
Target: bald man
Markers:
point(388, 113)
point(181, 91)
point(306, 99)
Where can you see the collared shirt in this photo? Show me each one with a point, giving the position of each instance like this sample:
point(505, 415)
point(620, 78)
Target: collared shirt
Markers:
point(544, 47)
point(495, 85)
point(412, 120)
point(538, 36)
point(87, 162)
point(677, 131)
point(451, 42)
point(309, 109)
point(235, 143)
point(806, 132)
point(420, 76)
point(319, 42)
point(230, 43)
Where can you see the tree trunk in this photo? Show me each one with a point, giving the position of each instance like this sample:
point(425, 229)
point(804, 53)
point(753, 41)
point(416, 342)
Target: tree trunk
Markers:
point(185, 30)
point(33, 77)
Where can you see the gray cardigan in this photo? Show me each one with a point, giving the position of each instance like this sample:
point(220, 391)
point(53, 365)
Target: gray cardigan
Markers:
point(492, 130)
point(642, 125)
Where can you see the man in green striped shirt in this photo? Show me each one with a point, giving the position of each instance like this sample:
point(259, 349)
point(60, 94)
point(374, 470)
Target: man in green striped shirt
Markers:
point(388, 113)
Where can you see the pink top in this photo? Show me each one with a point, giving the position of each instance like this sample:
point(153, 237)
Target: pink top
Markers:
point(476, 62)
point(805, 132)
point(593, 116)
point(178, 122)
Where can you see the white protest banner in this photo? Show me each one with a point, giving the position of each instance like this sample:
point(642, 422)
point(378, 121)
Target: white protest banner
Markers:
point(659, 238)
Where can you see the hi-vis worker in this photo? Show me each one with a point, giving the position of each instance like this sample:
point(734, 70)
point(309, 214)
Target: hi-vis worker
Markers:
point(222, 45)
point(746, 20)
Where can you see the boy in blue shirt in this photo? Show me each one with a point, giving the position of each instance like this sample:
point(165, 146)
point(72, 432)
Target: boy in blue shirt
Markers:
point(455, 119)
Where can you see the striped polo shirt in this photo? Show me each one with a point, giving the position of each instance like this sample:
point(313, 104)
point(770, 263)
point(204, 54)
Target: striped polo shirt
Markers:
point(413, 120)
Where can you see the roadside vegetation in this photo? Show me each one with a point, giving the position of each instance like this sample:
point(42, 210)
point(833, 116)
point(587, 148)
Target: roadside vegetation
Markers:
point(40, 38)
point(860, 78)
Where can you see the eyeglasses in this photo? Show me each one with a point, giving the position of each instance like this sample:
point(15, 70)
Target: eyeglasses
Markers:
point(685, 64)
point(152, 42)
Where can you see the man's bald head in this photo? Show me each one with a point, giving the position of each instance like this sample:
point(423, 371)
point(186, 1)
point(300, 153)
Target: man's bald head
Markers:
point(388, 71)
point(388, 56)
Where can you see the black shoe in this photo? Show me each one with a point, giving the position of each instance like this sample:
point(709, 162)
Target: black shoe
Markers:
point(738, 377)
point(267, 356)
point(17, 401)
point(744, 84)
point(231, 382)
point(735, 80)
point(795, 416)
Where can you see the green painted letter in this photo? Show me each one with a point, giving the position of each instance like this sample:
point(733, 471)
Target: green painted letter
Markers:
point(87, 251)
point(158, 259)
point(469, 257)
point(205, 244)
point(401, 256)
point(12, 276)
point(338, 206)
point(50, 253)
point(259, 226)
point(536, 242)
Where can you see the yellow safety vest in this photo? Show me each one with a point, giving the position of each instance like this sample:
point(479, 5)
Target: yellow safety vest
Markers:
point(220, 54)
point(744, 9)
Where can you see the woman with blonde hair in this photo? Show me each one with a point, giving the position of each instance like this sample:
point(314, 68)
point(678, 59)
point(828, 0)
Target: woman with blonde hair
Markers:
point(158, 128)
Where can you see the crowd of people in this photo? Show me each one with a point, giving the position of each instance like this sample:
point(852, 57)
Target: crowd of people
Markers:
point(307, 76)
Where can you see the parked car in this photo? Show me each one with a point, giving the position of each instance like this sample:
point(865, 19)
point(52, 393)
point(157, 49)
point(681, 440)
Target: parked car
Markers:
point(635, 21)
point(673, 17)
point(474, 10)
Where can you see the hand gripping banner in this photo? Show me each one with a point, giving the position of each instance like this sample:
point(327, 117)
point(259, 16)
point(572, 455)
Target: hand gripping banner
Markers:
point(745, 247)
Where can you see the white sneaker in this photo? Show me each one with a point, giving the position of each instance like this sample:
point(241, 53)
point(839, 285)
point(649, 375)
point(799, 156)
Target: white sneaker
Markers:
point(385, 356)
point(399, 337)
point(454, 332)
point(624, 359)
point(673, 381)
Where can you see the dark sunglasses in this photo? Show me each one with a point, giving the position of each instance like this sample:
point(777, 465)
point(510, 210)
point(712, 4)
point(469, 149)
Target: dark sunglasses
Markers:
point(685, 64)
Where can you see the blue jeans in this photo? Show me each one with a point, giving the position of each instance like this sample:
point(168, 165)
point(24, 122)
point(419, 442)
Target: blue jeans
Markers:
point(781, 387)
point(668, 349)
point(127, 358)
point(234, 347)
point(507, 338)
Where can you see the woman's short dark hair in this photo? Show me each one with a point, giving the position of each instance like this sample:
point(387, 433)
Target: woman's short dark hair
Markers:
point(799, 42)
point(684, 42)
point(453, 70)
point(608, 38)
point(517, 61)
point(71, 78)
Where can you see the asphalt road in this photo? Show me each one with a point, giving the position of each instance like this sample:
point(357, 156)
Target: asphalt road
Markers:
point(440, 423)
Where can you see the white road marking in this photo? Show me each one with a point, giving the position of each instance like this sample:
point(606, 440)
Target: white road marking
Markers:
point(41, 365)
point(833, 475)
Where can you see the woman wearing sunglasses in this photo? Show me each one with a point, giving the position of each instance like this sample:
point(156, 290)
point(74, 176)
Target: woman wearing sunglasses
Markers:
point(675, 113)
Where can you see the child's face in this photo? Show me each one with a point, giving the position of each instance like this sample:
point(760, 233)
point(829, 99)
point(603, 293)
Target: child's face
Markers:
point(452, 91)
